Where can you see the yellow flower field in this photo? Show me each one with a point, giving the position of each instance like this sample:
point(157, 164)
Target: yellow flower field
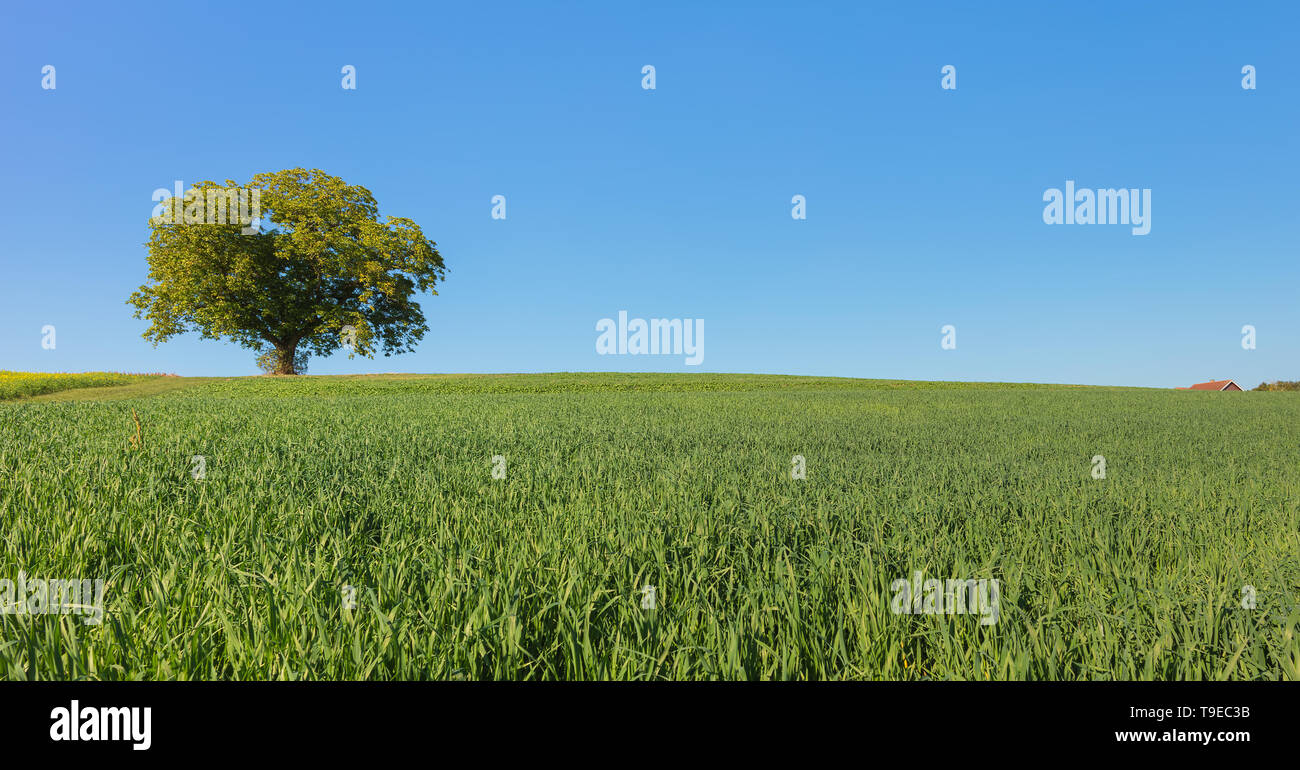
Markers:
point(23, 384)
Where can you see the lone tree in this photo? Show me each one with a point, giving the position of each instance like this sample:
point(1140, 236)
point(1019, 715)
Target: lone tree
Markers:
point(316, 272)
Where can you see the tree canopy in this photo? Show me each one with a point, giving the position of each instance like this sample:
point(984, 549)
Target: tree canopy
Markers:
point(316, 272)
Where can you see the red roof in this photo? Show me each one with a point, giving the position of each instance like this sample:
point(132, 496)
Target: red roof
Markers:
point(1213, 385)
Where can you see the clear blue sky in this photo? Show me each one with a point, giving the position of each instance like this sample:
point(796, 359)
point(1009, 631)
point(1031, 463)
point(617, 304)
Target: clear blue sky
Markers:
point(924, 206)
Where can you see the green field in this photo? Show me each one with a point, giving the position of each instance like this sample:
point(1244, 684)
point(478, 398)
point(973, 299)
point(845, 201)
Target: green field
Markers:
point(681, 482)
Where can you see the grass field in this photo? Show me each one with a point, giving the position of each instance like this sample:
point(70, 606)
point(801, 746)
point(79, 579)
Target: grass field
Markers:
point(682, 482)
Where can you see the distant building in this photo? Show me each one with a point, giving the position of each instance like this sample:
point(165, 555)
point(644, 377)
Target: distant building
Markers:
point(1214, 385)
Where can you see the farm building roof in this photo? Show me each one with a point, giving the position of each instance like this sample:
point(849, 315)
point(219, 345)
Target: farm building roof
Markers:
point(1213, 385)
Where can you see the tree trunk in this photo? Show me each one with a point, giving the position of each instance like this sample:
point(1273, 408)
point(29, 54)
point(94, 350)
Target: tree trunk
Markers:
point(284, 355)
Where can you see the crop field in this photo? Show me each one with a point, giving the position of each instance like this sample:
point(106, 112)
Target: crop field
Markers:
point(22, 384)
point(606, 526)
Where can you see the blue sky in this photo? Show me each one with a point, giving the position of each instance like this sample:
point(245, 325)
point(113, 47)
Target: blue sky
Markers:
point(924, 205)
